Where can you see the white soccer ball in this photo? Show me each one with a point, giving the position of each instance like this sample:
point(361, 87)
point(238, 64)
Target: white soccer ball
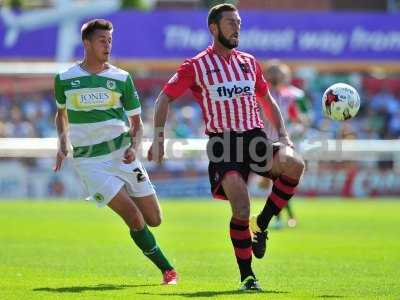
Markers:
point(340, 102)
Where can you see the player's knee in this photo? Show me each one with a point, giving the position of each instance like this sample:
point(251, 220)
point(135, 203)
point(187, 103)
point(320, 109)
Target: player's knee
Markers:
point(301, 165)
point(294, 166)
point(134, 219)
point(135, 222)
point(154, 221)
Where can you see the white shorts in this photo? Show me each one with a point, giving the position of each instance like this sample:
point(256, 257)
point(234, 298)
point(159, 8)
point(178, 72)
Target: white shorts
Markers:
point(104, 179)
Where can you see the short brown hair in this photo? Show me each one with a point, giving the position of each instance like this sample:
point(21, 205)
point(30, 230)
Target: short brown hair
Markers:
point(215, 12)
point(91, 26)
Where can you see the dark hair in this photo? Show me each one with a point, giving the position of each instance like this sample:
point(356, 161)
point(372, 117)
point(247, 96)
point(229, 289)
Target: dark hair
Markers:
point(91, 26)
point(215, 12)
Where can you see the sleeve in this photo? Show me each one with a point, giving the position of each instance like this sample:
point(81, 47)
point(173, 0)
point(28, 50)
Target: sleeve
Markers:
point(130, 98)
point(261, 87)
point(59, 92)
point(183, 79)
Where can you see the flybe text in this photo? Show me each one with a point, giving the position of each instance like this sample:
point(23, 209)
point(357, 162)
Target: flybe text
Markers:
point(234, 90)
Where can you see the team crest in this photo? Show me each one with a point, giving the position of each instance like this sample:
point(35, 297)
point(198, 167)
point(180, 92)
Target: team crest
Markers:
point(245, 67)
point(98, 197)
point(111, 84)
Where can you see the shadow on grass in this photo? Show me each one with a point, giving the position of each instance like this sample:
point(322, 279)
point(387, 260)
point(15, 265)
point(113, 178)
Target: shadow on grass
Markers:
point(207, 294)
point(99, 287)
point(330, 296)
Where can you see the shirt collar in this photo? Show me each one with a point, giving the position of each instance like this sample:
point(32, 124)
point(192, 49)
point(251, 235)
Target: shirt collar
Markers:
point(211, 49)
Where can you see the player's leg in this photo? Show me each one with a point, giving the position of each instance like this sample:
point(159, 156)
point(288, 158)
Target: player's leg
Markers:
point(123, 205)
point(287, 168)
point(150, 209)
point(292, 222)
point(235, 189)
point(127, 210)
point(142, 193)
point(266, 184)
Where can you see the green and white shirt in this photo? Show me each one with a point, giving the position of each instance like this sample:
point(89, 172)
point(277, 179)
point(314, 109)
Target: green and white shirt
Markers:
point(97, 106)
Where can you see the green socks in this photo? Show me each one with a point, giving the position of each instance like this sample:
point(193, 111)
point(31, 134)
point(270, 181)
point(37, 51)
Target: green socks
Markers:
point(145, 240)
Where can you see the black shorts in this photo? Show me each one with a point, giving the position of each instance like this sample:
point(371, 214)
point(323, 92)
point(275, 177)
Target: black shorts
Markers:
point(240, 152)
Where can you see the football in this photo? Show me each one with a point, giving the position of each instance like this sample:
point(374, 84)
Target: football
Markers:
point(340, 102)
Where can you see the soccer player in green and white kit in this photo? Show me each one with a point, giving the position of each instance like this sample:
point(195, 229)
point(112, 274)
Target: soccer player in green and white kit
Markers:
point(95, 99)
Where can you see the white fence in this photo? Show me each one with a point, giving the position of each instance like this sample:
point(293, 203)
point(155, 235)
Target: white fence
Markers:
point(323, 176)
point(314, 150)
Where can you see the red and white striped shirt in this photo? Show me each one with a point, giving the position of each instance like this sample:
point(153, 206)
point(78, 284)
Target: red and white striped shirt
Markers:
point(226, 89)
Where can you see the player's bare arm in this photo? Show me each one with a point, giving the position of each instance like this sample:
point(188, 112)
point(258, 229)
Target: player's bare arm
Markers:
point(136, 133)
point(277, 120)
point(161, 108)
point(61, 122)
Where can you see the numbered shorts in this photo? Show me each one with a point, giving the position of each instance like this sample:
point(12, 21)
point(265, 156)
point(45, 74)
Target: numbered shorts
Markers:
point(104, 179)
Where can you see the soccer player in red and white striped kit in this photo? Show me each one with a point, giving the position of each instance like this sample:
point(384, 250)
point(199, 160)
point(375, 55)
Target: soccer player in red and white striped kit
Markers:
point(226, 83)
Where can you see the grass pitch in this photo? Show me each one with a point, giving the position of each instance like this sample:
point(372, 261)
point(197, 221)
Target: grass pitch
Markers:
point(72, 250)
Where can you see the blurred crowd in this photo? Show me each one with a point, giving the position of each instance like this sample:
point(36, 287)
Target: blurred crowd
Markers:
point(27, 116)
point(32, 115)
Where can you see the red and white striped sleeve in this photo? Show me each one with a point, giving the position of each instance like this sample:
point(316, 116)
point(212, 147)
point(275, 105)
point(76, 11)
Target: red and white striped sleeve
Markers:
point(183, 79)
point(261, 86)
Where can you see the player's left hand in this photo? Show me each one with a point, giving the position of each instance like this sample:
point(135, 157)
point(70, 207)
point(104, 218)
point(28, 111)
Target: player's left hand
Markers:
point(129, 155)
point(285, 139)
point(62, 154)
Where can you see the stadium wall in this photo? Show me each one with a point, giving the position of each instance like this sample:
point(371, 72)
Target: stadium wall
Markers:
point(335, 179)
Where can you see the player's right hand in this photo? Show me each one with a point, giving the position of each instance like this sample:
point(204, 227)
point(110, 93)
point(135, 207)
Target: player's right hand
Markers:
point(61, 155)
point(156, 152)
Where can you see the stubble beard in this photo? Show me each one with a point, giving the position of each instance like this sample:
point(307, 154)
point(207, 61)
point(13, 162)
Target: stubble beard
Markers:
point(226, 42)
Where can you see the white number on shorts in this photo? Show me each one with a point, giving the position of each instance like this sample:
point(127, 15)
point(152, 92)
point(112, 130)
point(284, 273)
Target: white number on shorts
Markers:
point(139, 175)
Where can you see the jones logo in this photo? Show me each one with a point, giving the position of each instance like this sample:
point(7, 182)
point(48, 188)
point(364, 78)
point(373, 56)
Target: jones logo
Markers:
point(230, 92)
point(94, 98)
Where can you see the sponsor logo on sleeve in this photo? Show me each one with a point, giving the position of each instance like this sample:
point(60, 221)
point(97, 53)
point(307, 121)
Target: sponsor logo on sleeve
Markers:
point(75, 83)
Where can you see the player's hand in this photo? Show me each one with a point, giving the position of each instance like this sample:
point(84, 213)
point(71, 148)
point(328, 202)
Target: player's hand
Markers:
point(129, 155)
point(285, 139)
point(61, 155)
point(156, 152)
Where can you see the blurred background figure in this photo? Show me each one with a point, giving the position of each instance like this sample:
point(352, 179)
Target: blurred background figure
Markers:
point(295, 108)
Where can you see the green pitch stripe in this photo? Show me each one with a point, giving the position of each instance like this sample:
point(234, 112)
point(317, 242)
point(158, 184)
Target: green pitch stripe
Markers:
point(94, 116)
point(103, 148)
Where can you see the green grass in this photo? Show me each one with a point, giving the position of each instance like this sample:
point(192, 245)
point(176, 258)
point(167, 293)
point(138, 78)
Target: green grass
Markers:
point(72, 250)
